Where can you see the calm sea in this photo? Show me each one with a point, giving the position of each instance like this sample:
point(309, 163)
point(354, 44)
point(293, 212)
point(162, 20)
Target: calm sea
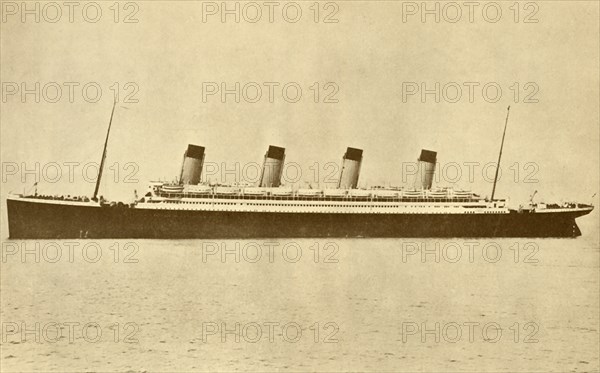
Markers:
point(407, 305)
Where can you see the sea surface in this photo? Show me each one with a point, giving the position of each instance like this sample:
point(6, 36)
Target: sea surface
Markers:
point(373, 305)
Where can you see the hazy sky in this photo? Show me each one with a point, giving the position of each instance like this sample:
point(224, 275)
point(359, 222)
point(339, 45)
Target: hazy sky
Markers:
point(369, 55)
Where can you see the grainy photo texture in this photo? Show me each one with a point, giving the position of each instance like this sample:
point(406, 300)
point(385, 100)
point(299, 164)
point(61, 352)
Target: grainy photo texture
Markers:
point(299, 186)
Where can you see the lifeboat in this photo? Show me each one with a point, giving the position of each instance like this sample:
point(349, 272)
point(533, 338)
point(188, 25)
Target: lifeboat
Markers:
point(437, 194)
point(223, 190)
point(335, 192)
point(359, 193)
point(463, 194)
point(171, 188)
point(385, 193)
point(281, 191)
point(412, 193)
point(198, 189)
point(255, 191)
point(310, 192)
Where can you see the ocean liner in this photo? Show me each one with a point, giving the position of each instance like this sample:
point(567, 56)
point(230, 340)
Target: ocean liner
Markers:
point(191, 208)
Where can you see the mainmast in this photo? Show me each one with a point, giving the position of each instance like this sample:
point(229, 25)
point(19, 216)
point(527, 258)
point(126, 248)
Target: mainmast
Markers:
point(104, 153)
point(500, 155)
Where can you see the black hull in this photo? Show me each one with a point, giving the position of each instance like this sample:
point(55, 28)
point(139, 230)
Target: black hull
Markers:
point(28, 220)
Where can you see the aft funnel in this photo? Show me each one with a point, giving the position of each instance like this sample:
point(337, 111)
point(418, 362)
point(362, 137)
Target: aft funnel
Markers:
point(425, 169)
point(350, 168)
point(272, 167)
point(191, 169)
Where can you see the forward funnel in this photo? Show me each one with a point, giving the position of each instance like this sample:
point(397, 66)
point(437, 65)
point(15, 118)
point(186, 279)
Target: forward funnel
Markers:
point(425, 169)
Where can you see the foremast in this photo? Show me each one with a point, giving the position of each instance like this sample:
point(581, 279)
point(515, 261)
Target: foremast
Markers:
point(95, 197)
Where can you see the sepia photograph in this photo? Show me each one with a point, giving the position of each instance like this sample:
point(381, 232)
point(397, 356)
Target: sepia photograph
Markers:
point(300, 186)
